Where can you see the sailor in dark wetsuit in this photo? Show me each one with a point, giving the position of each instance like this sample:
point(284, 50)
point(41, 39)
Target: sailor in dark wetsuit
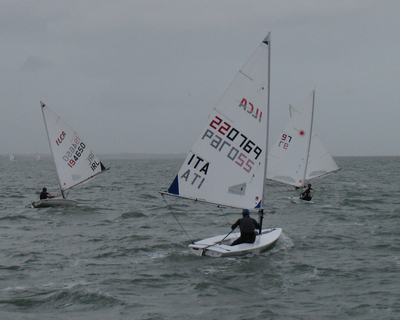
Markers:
point(307, 194)
point(247, 227)
point(45, 195)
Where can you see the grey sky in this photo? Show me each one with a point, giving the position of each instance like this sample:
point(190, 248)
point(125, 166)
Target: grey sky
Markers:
point(143, 75)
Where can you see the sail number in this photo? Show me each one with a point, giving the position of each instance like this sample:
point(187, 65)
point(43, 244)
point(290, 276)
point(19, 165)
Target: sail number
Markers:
point(232, 136)
point(285, 140)
point(93, 164)
point(74, 152)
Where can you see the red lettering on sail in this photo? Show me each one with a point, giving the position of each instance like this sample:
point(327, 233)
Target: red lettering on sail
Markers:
point(60, 138)
point(249, 108)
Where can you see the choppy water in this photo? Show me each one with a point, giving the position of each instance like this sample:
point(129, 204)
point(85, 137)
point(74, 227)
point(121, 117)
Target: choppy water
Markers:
point(122, 255)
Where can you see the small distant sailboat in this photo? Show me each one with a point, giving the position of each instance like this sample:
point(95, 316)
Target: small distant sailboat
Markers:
point(38, 158)
point(227, 164)
point(12, 157)
point(75, 162)
point(299, 156)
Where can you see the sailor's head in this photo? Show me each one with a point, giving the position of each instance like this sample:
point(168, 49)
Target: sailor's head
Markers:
point(309, 185)
point(44, 189)
point(245, 212)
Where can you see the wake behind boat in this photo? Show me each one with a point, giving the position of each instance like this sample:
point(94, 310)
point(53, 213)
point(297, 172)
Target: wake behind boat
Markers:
point(75, 162)
point(227, 164)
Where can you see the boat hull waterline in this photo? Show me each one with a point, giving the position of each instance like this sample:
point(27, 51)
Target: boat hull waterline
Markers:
point(298, 200)
point(54, 202)
point(213, 247)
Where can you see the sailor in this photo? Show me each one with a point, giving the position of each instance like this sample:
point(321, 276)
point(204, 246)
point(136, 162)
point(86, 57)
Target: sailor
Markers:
point(247, 227)
point(307, 194)
point(45, 195)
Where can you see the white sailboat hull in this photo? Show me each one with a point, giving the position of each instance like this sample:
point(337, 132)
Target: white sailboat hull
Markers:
point(213, 247)
point(53, 202)
point(298, 200)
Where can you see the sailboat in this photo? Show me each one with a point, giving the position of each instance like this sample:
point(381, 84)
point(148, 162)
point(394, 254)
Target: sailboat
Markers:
point(298, 155)
point(38, 157)
point(227, 164)
point(12, 157)
point(75, 162)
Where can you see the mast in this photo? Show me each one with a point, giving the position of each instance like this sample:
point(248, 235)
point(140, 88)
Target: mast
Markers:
point(309, 141)
point(261, 212)
point(42, 105)
point(267, 40)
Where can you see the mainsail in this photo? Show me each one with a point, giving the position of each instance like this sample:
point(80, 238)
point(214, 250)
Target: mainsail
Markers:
point(227, 164)
point(298, 155)
point(75, 161)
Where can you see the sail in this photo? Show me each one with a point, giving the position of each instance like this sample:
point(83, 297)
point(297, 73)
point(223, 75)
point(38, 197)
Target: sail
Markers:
point(75, 161)
point(320, 161)
point(298, 155)
point(227, 163)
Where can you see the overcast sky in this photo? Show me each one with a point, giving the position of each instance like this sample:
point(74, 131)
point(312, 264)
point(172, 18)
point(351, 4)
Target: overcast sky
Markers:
point(142, 76)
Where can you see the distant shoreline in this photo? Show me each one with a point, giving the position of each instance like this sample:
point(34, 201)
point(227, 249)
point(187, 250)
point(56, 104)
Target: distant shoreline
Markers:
point(126, 155)
point(110, 156)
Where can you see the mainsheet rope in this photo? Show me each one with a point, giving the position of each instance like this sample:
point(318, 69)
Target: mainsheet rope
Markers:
point(220, 208)
point(177, 219)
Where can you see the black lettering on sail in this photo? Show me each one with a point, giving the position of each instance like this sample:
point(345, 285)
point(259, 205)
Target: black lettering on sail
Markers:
point(186, 175)
point(205, 168)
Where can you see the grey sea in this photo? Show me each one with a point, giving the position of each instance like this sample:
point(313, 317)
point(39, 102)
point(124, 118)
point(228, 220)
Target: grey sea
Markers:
point(121, 254)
